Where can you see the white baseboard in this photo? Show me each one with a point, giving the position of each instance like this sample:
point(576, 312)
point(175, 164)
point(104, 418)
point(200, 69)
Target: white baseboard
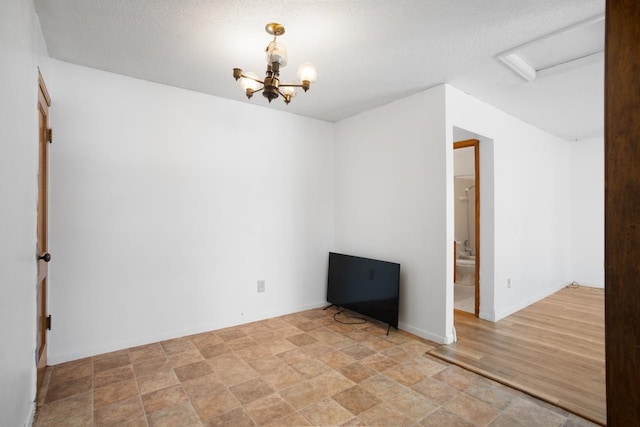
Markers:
point(320, 304)
point(440, 339)
point(589, 284)
point(490, 316)
point(55, 359)
point(504, 313)
point(32, 414)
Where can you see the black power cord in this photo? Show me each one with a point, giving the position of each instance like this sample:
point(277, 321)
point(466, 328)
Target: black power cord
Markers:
point(362, 319)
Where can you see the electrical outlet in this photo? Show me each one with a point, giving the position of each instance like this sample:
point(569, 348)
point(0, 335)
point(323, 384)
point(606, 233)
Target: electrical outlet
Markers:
point(508, 283)
point(261, 286)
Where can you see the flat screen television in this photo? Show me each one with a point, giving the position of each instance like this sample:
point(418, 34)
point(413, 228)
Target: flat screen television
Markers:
point(367, 286)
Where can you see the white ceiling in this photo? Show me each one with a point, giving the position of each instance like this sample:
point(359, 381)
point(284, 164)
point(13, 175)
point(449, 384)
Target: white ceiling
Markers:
point(368, 52)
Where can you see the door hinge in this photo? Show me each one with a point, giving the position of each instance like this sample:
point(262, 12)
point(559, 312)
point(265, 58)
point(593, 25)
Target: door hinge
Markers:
point(49, 322)
point(49, 135)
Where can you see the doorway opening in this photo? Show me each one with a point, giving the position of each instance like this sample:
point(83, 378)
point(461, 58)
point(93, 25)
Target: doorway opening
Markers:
point(467, 226)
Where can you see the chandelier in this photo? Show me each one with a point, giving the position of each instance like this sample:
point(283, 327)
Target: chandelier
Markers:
point(276, 56)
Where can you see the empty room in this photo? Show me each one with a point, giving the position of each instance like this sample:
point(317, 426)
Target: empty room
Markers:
point(254, 213)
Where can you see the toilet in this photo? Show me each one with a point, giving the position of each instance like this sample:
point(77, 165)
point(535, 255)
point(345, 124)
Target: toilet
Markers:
point(466, 271)
point(465, 267)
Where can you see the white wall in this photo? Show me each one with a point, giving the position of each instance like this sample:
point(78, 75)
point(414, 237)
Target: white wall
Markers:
point(392, 168)
point(395, 198)
point(525, 206)
point(21, 51)
point(168, 205)
point(587, 212)
point(162, 197)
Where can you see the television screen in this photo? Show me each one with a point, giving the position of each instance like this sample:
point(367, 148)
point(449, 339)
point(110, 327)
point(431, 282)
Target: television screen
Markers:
point(366, 286)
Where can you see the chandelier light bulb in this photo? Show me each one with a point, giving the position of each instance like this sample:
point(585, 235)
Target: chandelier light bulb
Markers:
point(277, 52)
point(246, 83)
point(289, 90)
point(307, 72)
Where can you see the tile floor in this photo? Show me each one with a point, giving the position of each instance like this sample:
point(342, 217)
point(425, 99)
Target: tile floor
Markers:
point(296, 370)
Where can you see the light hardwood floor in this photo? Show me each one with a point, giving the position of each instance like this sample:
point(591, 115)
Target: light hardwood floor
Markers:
point(553, 349)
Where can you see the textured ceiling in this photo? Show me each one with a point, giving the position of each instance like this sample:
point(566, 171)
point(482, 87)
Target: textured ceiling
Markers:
point(367, 52)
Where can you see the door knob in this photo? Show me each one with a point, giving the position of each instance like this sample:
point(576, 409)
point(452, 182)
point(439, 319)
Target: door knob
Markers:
point(46, 257)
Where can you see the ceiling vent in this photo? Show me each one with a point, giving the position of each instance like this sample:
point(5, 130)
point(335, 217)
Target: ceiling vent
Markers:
point(572, 47)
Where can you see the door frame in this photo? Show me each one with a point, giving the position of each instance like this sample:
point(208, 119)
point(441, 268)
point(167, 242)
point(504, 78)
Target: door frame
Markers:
point(475, 143)
point(622, 206)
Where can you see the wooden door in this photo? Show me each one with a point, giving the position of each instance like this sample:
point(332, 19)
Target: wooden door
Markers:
point(43, 257)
